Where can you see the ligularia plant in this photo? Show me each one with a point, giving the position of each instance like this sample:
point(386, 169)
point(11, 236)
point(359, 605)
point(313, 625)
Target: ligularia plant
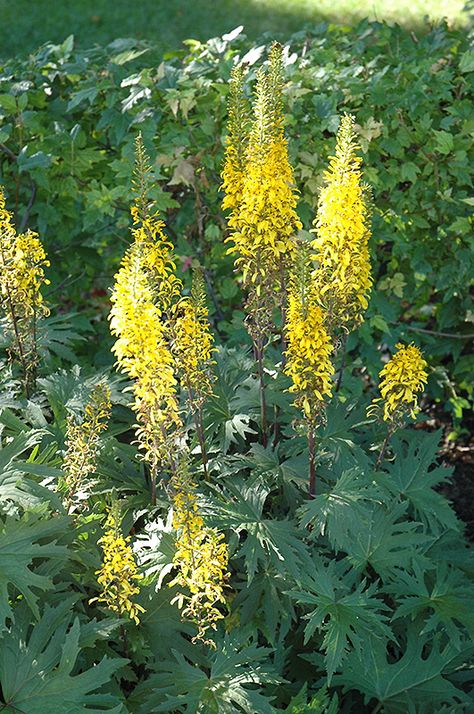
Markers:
point(118, 576)
point(401, 380)
point(22, 264)
point(144, 289)
point(343, 273)
point(263, 221)
point(308, 356)
point(82, 447)
point(238, 128)
point(192, 346)
point(201, 559)
point(163, 344)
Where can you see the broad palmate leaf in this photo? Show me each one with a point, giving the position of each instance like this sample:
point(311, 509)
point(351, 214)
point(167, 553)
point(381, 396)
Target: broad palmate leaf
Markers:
point(412, 477)
point(347, 615)
point(235, 671)
point(37, 662)
point(416, 683)
point(338, 512)
point(22, 542)
point(266, 541)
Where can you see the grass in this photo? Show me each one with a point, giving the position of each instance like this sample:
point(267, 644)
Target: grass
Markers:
point(27, 24)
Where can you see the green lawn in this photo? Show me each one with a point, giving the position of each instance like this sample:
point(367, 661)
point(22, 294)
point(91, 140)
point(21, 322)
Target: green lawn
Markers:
point(28, 23)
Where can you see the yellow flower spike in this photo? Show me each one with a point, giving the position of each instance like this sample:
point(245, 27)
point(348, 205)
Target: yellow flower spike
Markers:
point(118, 575)
point(193, 343)
point(308, 357)
point(82, 442)
point(402, 378)
point(266, 219)
point(144, 293)
point(237, 139)
point(201, 559)
point(22, 263)
point(343, 274)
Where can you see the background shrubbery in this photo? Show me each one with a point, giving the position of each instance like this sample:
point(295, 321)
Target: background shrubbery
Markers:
point(68, 120)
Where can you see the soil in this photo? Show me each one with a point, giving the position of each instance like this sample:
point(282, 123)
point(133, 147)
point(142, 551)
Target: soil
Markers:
point(460, 455)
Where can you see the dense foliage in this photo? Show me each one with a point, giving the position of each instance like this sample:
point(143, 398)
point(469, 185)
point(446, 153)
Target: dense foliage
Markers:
point(247, 527)
point(68, 119)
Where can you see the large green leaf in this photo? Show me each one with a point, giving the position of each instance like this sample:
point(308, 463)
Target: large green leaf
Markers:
point(24, 544)
point(339, 511)
point(235, 671)
point(37, 667)
point(441, 597)
point(385, 540)
point(413, 478)
point(416, 683)
point(18, 486)
point(347, 614)
point(265, 540)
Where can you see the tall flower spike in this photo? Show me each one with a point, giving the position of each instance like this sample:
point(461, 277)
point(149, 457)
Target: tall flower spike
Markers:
point(82, 442)
point(308, 356)
point(343, 274)
point(144, 291)
point(237, 140)
point(192, 346)
point(22, 264)
point(118, 575)
point(193, 343)
point(309, 345)
point(201, 559)
point(402, 378)
point(267, 220)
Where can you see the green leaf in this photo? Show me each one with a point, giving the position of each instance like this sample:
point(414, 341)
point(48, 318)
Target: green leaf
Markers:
point(37, 665)
point(413, 477)
point(234, 670)
point(444, 142)
point(23, 545)
point(466, 63)
point(8, 102)
point(440, 596)
point(414, 683)
point(346, 615)
point(265, 540)
point(384, 540)
point(339, 512)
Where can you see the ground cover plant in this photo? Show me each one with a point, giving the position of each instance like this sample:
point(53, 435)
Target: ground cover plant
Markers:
point(247, 524)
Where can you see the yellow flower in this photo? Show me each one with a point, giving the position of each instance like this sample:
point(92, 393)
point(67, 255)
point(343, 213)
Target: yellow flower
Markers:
point(237, 139)
point(143, 353)
point(193, 344)
point(343, 274)
point(82, 442)
point(266, 221)
point(118, 575)
point(22, 264)
point(201, 559)
point(309, 352)
point(401, 379)
point(144, 292)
